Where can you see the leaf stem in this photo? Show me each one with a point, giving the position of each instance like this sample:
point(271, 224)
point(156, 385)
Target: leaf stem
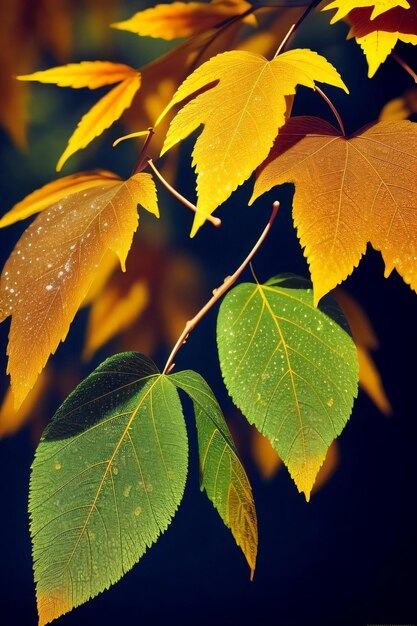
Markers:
point(219, 292)
point(333, 108)
point(142, 161)
point(222, 27)
point(405, 66)
point(286, 41)
point(214, 220)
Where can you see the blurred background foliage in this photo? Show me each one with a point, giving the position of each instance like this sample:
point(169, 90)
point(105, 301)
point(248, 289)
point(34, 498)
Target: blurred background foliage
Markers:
point(347, 557)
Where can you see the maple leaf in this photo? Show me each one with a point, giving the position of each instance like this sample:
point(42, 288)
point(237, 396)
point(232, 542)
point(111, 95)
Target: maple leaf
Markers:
point(53, 265)
point(182, 19)
point(348, 192)
point(107, 110)
point(241, 113)
point(376, 7)
point(378, 35)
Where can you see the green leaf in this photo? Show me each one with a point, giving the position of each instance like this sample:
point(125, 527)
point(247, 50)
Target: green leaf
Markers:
point(108, 477)
point(290, 367)
point(222, 473)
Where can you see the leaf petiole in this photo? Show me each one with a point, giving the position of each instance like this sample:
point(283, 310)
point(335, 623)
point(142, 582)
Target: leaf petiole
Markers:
point(333, 108)
point(219, 292)
point(214, 220)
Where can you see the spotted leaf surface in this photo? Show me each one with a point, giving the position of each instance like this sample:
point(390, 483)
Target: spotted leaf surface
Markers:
point(53, 266)
point(291, 368)
point(242, 107)
point(108, 476)
point(223, 476)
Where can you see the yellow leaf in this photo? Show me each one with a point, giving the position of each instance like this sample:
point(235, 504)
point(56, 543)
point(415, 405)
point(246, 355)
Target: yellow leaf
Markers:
point(55, 191)
point(265, 456)
point(108, 265)
point(101, 116)
point(111, 313)
point(348, 192)
point(181, 19)
point(52, 267)
point(343, 7)
point(91, 74)
point(376, 47)
point(241, 113)
point(10, 419)
point(377, 37)
point(371, 382)
point(400, 108)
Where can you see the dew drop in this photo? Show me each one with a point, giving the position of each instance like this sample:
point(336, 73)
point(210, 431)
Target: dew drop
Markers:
point(127, 491)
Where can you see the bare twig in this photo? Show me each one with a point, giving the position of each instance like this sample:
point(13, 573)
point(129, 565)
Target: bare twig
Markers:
point(405, 66)
point(333, 108)
point(218, 293)
point(214, 220)
point(286, 41)
point(142, 161)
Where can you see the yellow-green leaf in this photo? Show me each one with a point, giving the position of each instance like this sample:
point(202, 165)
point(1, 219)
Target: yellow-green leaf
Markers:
point(222, 473)
point(108, 477)
point(242, 108)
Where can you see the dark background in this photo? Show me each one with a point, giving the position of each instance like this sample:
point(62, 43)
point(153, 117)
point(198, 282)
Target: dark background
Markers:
point(346, 558)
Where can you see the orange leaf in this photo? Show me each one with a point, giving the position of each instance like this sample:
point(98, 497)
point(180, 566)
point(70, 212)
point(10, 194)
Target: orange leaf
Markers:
point(181, 19)
point(53, 265)
point(348, 192)
point(53, 192)
point(91, 74)
point(101, 116)
point(10, 419)
point(365, 339)
point(112, 313)
point(265, 456)
point(362, 332)
point(370, 381)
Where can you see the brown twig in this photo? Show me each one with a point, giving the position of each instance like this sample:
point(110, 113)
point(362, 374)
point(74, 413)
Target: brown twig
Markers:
point(218, 293)
point(405, 66)
point(142, 161)
point(285, 42)
point(214, 220)
point(333, 108)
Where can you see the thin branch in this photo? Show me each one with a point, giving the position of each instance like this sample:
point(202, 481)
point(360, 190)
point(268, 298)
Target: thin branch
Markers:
point(142, 161)
point(405, 66)
point(286, 41)
point(222, 27)
point(333, 108)
point(214, 220)
point(218, 293)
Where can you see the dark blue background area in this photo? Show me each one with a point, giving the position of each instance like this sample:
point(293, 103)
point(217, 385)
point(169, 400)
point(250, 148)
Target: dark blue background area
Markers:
point(346, 558)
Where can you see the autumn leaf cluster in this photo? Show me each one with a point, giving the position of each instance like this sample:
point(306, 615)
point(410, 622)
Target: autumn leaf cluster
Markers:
point(291, 352)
